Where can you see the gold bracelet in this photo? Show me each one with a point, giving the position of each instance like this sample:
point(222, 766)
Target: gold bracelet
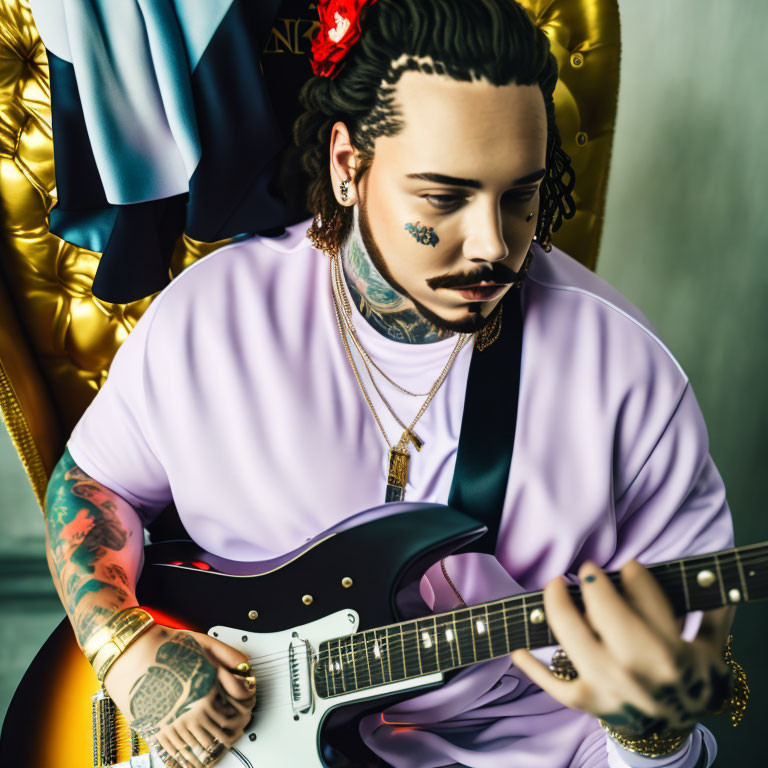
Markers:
point(662, 744)
point(655, 745)
point(737, 702)
point(110, 640)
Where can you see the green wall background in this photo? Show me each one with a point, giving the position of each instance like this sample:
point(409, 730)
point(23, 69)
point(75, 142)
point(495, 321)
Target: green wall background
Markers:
point(685, 239)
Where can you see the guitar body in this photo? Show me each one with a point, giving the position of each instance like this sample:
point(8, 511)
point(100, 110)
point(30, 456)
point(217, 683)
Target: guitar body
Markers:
point(362, 574)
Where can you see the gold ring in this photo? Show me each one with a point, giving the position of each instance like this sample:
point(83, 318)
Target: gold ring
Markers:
point(211, 748)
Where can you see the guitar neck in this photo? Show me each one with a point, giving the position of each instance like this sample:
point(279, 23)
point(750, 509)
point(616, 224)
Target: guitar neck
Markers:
point(472, 634)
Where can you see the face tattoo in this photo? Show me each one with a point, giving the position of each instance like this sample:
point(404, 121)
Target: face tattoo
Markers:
point(423, 235)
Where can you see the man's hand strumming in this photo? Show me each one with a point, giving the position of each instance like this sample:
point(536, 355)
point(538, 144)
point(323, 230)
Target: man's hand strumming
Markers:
point(176, 688)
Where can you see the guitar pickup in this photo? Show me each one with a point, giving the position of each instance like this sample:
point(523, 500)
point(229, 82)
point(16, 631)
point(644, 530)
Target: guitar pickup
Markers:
point(299, 655)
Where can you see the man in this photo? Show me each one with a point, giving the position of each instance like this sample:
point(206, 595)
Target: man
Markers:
point(265, 380)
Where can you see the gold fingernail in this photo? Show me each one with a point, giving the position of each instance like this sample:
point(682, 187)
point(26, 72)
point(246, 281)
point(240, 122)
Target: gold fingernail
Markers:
point(243, 666)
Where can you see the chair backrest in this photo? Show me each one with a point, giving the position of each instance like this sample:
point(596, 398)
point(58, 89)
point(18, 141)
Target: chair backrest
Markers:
point(57, 340)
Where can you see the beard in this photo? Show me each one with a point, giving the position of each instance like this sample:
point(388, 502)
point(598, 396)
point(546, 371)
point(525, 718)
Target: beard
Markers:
point(475, 322)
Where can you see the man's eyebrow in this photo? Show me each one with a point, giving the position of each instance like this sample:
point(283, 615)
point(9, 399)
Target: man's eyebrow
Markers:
point(455, 181)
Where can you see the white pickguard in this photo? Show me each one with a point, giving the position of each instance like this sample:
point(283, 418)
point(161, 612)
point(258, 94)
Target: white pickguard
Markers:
point(278, 737)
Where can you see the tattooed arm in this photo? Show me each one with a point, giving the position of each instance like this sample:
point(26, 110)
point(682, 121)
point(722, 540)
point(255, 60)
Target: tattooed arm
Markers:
point(94, 547)
point(174, 686)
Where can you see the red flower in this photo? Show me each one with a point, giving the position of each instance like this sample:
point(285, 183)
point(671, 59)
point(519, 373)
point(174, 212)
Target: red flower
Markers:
point(339, 31)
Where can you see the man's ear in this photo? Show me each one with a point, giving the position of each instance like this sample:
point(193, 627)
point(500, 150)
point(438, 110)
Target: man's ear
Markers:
point(344, 162)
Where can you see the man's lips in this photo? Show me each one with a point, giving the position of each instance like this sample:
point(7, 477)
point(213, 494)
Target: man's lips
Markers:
point(478, 285)
point(483, 291)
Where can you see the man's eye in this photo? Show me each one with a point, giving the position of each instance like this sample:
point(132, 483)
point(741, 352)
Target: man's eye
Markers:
point(443, 201)
point(521, 197)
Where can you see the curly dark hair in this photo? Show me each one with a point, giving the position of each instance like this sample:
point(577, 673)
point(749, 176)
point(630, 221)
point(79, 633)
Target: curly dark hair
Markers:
point(466, 39)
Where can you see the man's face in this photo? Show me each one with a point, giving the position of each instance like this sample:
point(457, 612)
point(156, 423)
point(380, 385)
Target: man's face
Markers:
point(492, 140)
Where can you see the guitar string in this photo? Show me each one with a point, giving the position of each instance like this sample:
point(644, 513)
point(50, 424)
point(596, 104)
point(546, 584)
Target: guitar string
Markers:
point(363, 639)
point(513, 615)
point(512, 611)
point(267, 689)
point(415, 652)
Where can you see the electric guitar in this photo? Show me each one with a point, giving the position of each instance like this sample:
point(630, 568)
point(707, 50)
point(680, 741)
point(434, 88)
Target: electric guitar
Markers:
point(323, 627)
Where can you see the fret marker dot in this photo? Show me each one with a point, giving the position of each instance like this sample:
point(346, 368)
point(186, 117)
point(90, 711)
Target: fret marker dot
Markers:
point(705, 578)
point(751, 573)
point(734, 595)
point(480, 625)
point(426, 639)
point(536, 616)
point(377, 651)
point(449, 635)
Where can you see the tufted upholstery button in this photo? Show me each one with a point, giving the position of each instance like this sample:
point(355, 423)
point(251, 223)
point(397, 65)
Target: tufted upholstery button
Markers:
point(577, 60)
point(581, 138)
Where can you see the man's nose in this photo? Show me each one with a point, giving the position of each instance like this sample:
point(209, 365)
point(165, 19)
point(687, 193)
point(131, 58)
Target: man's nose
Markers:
point(486, 239)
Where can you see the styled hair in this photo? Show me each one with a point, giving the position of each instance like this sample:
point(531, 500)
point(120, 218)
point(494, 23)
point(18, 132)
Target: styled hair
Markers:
point(467, 40)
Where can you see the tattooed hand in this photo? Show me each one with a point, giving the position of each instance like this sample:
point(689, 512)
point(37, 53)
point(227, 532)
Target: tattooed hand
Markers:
point(175, 688)
point(635, 672)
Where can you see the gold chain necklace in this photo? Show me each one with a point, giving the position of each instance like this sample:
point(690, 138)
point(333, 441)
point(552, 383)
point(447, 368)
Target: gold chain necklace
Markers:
point(338, 286)
point(399, 455)
point(349, 325)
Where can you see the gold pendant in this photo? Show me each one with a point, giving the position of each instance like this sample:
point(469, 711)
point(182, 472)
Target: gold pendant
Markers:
point(398, 467)
point(398, 474)
point(408, 435)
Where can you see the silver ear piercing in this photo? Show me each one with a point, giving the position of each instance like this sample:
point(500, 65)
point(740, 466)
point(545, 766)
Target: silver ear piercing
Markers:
point(344, 189)
point(530, 216)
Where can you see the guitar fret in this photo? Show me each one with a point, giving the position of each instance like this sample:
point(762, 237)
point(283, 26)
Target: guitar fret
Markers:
point(411, 655)
point(343, 667)
point(732, 578)
point(333, 669)
point(685, 587)
point(465, 639)
point(445, 646)
point(366, 651)
point(472, 634)
point(745, 591)
point(496, 626)
point(427, 646)
point(525, 625)
point(720, 579)
point(402, 648)
point(354, 663)
point(437, 642)
point(456, 638)
point(538, 626)
point(364, 673)
point(418, 647)
point(389, 658)
point(478, 626)
point(701, 580)
point(396, 657)
point(379, 654)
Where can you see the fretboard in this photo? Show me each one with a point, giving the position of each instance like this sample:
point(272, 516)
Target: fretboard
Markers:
point(468, 635)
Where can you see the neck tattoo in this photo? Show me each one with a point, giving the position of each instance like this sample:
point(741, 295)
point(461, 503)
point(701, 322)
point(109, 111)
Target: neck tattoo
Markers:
point(386, 309)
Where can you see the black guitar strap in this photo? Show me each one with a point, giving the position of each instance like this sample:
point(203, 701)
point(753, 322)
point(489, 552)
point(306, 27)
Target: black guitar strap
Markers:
point(488, 426)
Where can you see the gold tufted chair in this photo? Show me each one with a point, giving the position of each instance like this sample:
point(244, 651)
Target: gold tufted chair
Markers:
point(57, 340)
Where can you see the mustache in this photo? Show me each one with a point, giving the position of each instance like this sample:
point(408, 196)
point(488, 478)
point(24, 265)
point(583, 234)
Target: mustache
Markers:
point(497, 273)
